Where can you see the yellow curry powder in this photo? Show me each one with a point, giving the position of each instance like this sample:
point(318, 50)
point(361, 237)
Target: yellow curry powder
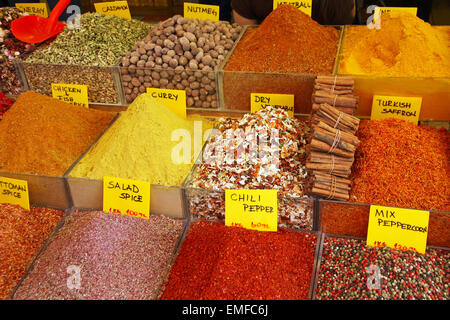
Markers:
point(139, 146)
point(404, 46)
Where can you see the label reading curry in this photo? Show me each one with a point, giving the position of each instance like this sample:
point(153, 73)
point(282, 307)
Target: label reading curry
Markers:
point(260, 101)
point(114, 8)
point(305, 6)
point(201, 11)
point(36, 9)
point(14, 191)
point(174, 100)
point(405, 108)
point(76, 94)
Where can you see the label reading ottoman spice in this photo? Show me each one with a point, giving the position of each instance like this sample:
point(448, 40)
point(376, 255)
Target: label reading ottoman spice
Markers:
point(174, 100)
point(251, 209)
point(201, 11)
point(260, 101)
point(125, 196)
point(14, 191)
point(405, 108)
point(305, 6)
point(114, 8)
point(398, 228)
point(36, 9)
point(76, 94)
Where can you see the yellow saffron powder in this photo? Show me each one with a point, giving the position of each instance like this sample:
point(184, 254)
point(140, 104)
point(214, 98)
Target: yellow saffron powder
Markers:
point(139, 146)
point(405, 45)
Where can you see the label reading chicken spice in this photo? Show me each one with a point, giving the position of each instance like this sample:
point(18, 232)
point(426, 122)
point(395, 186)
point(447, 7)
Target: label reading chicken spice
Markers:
point(201, 11)
point(37, 9)
point(114, 8)
point(14, 191)
point(125, 196)
point(260, 101)
point(398, 228)
point(305, 6)
point(76, 94)
point(174, 100)
point(251, 209)
point(405, 108)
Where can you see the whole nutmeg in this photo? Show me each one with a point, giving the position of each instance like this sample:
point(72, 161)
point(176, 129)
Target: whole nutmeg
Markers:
point(164, 50)
point(194, 85)
point(164, 82)
point(160, 42)
point(173, 63)
point(188, 55)
point(170, 86)
point(155, 83)
point(158, 50)
point(164, 74)
point(190, 36)
point(149, 64)
point(165, 65)
point(142, 50)
point(132, 69)
point(155, 75)
point(126, 78)
point(179, 86)
point(190, 102)
point(195, 51)
point(206, 60)
point(171, 53)
point(193, 65)
point(183, 60)
point(142, 89)
point(135, 81)
point(135, 54)
point(134, 60)
point(140, 72)
point(128, 91)
point(169, 44)
point(144, 57)
point(140, 63)
point(195, 93)
point(201, 41)
point(198, 75)
point(149, 46)
point(178, 49)
point(179, 69)
point(198, 104)
point(166, 58)
point(169, 30)
point(168, 22)
point(199, 55)
point(125, 62)
point(158, 60)
point(213, 53)
point(184, 43)
point(182, 20)
point(191, 27)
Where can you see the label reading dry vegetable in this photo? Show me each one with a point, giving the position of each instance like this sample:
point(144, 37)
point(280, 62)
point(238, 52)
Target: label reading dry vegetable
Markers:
point(305, 6)
point(260, 101)
point(174, 100)
point(114, 8)
point(405, 108)
point(201, 11)
point(125, 196)
point(398, 228)
point(14, 191)
point(37, 9)
point(76, 94)
point(251, 209)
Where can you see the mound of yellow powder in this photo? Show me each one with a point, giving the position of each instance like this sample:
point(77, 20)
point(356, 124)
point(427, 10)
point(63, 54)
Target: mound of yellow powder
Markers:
point(405, 45)
point(139, 146)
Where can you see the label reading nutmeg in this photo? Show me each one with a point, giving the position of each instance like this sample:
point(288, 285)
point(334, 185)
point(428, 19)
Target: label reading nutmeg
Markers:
point(305, 6)
point(201, 11)
point(114, 8)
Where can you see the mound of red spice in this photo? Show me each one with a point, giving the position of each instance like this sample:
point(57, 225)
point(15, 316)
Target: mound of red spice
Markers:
point(216, 262)
point(287, 41)
point(5, 104)
point(401, 164)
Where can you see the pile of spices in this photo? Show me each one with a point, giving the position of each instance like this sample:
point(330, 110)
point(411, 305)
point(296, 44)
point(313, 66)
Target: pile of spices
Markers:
point(98, 255)
point(405, 45)
point(142, 145)
point(5, 104)
point(22, 234)
point(263, 150)
point(404, 275)
point(42, 135)
point(401, 164)
point(216, 262)
point(182, 54)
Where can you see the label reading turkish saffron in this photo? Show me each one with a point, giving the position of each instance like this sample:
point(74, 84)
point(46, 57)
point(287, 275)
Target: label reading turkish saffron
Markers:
point(251, 209)
point(406, 108)
point(201, 11)
point(398, 228)
point(36, 9)
point(125, 196)
point(76, 94)
point(260, 101)
point(305, 6)
point(114, 8)
point(174, 100)
point(14, 191)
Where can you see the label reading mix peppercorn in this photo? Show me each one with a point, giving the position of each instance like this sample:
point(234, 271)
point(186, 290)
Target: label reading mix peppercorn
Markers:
point(304, 6)
point(36, 9)
point(201, 11)
point(114, 8)
point(174, 100)
point(405, 108)
point(14, 191)
point(260, 101)
point(76, 94)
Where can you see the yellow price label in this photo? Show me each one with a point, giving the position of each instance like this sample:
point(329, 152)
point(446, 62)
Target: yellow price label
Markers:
point(380, 10)
point(260, 101)
point(252, 209)
point(174, 100)
point(37, 9)
point(114, 8)
point(305, 6)
point(201, 11)
point(125, 196)
point(76, 94)
point(398, 228)
point(14, 191)
point(406, 108)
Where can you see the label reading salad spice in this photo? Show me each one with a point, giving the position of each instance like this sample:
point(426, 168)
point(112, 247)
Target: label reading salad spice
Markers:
point(174, 100)
point(125, 196)
point(398, 228)
point(14, 191)
point(251, 209)
point(201, 11)
point(305, 6)
point(406, 108)
point(37, 9)
point(76, 94)
point(260, 101)
point(114, 8)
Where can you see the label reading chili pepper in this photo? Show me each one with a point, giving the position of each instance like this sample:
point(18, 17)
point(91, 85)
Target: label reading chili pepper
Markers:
point(260, 101)
point(398, 228)
point(304, 6)
point(174, 100)
point(405, 108)
point(201, 11)
point(124, 196)
point(252, 209)
point(76, 94)
point(114, 8)
point(36, 9)
point(14, 191)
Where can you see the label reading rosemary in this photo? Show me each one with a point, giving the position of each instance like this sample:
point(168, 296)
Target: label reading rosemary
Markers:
point(305, 6)
point(14, 191)
point(252, 209)
point(37, 9)
point(201, 11)
point(260, 101)
point(76, 94)
point(406, 108)
point(114, 8)
point(175, 100)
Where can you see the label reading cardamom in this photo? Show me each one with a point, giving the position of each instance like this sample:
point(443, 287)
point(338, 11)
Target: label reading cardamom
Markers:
point(114, 8)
